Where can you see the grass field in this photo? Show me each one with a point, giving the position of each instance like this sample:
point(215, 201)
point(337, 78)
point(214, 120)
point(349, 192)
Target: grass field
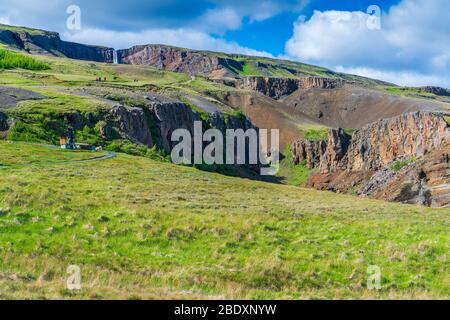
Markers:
point(24, 154)
point(139, 229)
point(12, 60)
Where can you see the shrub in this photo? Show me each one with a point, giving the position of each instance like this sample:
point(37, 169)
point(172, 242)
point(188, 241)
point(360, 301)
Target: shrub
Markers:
point(400, 164)
point(316, 134)
point(13, 60)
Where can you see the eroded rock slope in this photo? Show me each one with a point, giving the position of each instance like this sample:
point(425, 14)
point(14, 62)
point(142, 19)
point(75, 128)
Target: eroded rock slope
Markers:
point(404, 158)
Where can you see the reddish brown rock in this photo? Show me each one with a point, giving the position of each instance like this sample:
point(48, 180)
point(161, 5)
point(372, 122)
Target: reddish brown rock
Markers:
point(404, 159)
point(275, 88)
point(175, 59)
point(335, 155)
point(413, 134)
point(320, 82)
point(308, 151)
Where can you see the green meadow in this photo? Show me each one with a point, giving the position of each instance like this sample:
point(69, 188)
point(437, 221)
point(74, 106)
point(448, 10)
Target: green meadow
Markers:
point(140, 228)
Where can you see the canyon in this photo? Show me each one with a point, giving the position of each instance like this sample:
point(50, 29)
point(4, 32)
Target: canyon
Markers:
point(381, 140)
point(407, 155)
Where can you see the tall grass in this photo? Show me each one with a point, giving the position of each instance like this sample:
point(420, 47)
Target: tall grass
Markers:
point(12, 60)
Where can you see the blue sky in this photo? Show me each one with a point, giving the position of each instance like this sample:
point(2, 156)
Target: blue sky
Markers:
point(411, 47)
point(271, 34)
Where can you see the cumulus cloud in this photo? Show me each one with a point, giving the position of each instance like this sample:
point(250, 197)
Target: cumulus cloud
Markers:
point(262, 9)
point(5, 20)
point(412, 46)
point(187, 38)
point(403, 77)
point(219, 20)
point(191, 24)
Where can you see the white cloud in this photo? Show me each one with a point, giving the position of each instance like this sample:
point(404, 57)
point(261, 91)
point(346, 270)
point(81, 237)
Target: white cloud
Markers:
point(219, 20)
point(411, 47)
point(5, 20)
point(403, 78)
point(187, 38)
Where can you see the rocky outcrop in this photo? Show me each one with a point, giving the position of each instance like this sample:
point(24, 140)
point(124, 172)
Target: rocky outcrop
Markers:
point(223, 122)
point(10, 96)
point(50, 43)
point(275, 88)
point(380, 143)
point(169, 115)
point(425, 181)
point(403, 159)
point(278, 88)
point(335, 155)
point(435, 90)
point(176, 59)
point(320, 82)
point(131, 122)
point(308, 152)
point(327, 155)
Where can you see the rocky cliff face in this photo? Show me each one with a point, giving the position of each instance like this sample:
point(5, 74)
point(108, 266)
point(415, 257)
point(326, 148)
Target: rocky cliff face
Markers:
point(132, 122)
point(278, 88)
point(218, 121)
point(435, 90)
point(320, 82)
point(406, 155)
point(335, 155)
point(49, 43)
point(425, 181)
point(275, 88)
point(309, 152)
point(380, 143)
point(175, 59)
point(169, 115)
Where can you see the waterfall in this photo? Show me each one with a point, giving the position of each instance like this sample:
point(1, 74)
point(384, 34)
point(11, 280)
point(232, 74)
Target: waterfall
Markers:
point(115, 59)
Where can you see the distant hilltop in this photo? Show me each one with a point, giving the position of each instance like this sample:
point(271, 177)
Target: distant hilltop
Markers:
point(214, 65)
point(35, 41)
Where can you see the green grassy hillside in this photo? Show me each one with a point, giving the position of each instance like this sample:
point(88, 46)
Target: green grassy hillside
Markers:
point(13, 60)
point(24, 29)
point(139, 228)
